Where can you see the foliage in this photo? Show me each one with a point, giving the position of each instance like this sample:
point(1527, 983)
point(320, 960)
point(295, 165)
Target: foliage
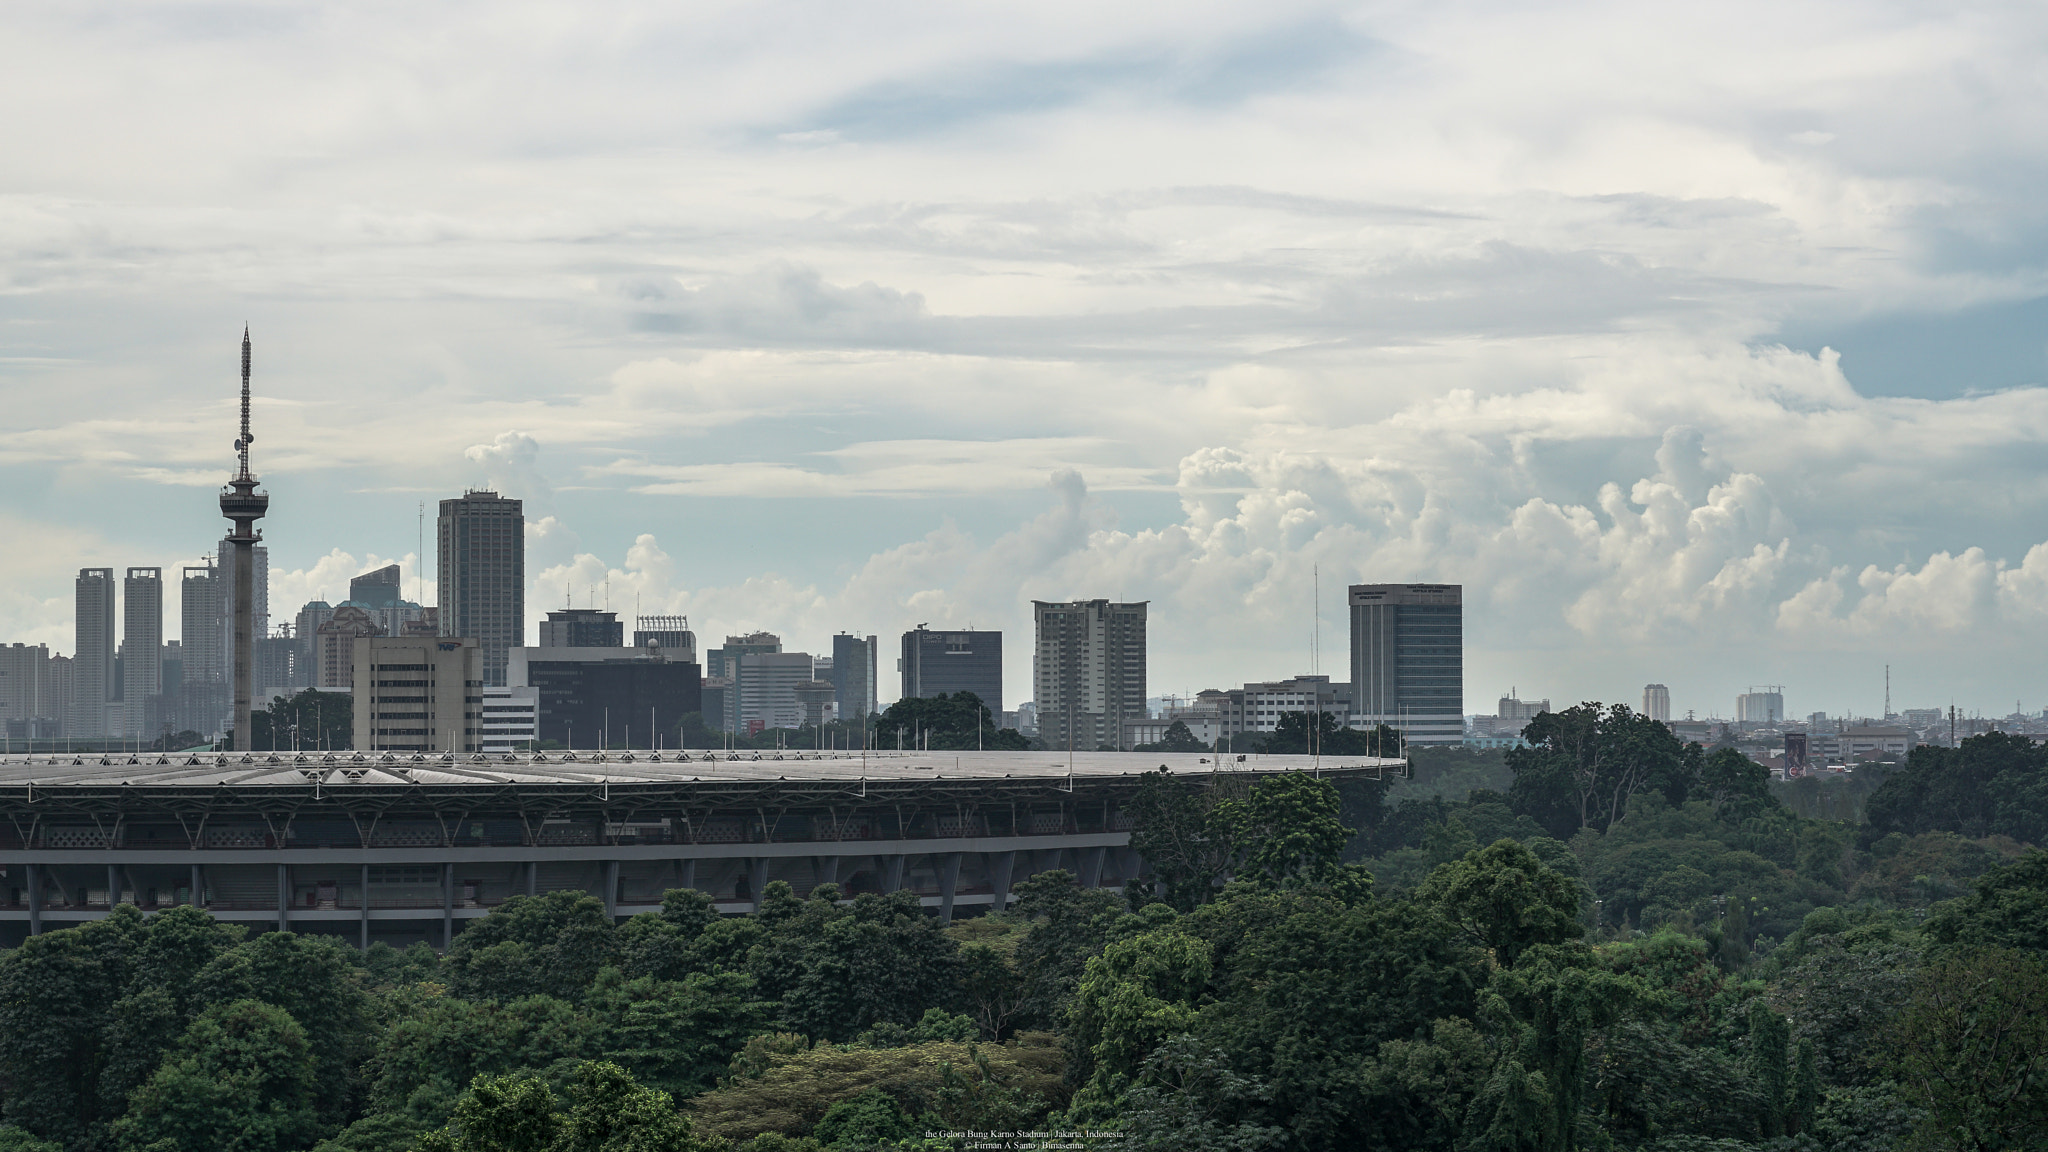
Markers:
point(1972, 1050)
point(1177, 738)
point(1992, 784)
point(789, 1091)
point(949, 721)
point(1586, 765)
point(241, 1079)
point(608, 1112)
point(1506, 900)
point(309, 719)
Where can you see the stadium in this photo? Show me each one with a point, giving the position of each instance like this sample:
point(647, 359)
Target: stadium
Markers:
point(404, 848)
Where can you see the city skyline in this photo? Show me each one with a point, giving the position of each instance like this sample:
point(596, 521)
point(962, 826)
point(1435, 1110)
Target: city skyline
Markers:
point(1686, 379)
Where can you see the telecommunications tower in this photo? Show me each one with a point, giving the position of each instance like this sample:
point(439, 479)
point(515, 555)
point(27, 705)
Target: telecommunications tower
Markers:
point(243, 504)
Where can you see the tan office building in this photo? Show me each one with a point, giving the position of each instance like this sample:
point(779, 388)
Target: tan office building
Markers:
point(418, 694)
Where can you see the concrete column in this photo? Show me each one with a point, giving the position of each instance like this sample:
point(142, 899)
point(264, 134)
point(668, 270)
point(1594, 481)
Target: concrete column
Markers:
point(1000, 865)
point(363, 923)
point(758, 875)
point(827, 868)
point(198, 886)
point(892, 874)
point(1091, 867)
point(611, 889)
point(35, 899)
point(447, 906)
point(284, 897)
point(949, 878)
point(689, 873)
point(533, 877)
point(113, 886)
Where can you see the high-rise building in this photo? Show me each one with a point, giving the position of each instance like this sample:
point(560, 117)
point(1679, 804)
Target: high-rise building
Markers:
point(1408, 660)
point(766, 687)
point(853, 675)
point(724, 664)
point(24, 676)
point(671, 634)
point(938, 663)
point(609, 697)
point(482, 561)
point(1657, 702)
point(1765, 705)
point(582, 628)
point(1088, 671)
point(334, 646)
point(1513, 714)
point(417, 694)
point(92, 675)
point(203, 696)
point(377, 588)
point(142, 635)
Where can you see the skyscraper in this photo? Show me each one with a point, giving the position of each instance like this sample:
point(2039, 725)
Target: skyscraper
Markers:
point(92, 676)
point(142, 635)
point(853, 675)
point(1408, 660)
point(582, 628)
point(1657, 702)
point(1088, 671)
point(945, 662)
point(259, 599)
point(482, 562)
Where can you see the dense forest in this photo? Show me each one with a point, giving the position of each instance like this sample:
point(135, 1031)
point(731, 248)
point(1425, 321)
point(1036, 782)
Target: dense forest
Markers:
point(1608, 940)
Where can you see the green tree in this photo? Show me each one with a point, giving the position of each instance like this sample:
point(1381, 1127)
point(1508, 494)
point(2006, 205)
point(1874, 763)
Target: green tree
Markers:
point(1584, 765)
point(1066, 924)
point(865, 1121)
point(2006, 908)
point(240, 1080)
point(609, 1112)
point(57, 995)
point(309, 720)
point(1177, 738)
point(500, 1114)
point(1972, 1050)
point(1134, 996)
point(1171, 827)
point(953, 721)
point(1286, 832)
point(1769, 1035)
point(1506, 900)
point(313, 979)
point(531, 945)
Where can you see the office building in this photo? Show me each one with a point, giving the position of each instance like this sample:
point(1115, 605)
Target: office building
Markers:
point(92, 676)
point(1764, 705)
point(582, 628)
point(853, 675)
point(766, 686)
point(378, 588)
point(142, 637)
point(511, 718)
point(482, 562)
point(714, 703)
point(816, 702)
point(417, 694)
point(608, 697)
point(203, 696)
point(1657, 702)
point(1513, 714)
point(1088, 671)
point(941, 663)
point(671, 634)
point(1408, 660)
point(723, 663)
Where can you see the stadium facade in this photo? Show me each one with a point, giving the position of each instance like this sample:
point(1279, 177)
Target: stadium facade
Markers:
point(400, 848)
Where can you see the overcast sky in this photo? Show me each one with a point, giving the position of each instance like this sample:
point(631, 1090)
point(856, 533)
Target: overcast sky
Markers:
point(1702, 344)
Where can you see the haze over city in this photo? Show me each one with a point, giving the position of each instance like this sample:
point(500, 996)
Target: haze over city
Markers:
point(1726, 370)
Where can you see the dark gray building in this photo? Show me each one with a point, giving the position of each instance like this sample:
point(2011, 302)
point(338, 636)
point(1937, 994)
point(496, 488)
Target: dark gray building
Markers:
point(853, 675)
point(376, 589)
point(671, 634)
point(94, 678)
point(939, 663)
point(1408, 660)
point(622, 703)
point(582, 628)
point(482, 562)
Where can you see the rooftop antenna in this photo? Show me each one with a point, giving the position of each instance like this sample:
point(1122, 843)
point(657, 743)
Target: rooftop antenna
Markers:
point(1887, 691)
point(419, 560)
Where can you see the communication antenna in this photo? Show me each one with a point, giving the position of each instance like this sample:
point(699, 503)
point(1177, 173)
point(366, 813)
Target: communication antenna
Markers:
point(419, 570)
point(1887, 691)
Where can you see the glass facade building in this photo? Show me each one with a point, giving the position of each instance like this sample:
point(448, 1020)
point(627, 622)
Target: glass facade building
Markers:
point(1408, 660)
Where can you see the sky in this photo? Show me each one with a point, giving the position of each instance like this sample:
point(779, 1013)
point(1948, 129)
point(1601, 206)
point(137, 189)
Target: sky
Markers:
point(1703, 345)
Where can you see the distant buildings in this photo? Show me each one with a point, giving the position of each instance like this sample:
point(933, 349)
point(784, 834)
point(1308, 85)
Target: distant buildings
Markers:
point(1657, 702)
point(941, 663)
point(203, 693)
point(853, 675)
point(260, 622)
point(767, 689)
point(1512, 714)
point(1764, 705)
point(93, 674)
point(671, 634)
point(1088, 671)
point(1407, 660)
point(582, 628)
point(335, 642)
point(605, 697)
point(482, 562)
point(724, 664)
point(417, 694)
point(142, 636)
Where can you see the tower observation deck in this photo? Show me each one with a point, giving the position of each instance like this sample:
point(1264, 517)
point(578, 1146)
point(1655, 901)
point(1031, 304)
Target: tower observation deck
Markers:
point(242, 504)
